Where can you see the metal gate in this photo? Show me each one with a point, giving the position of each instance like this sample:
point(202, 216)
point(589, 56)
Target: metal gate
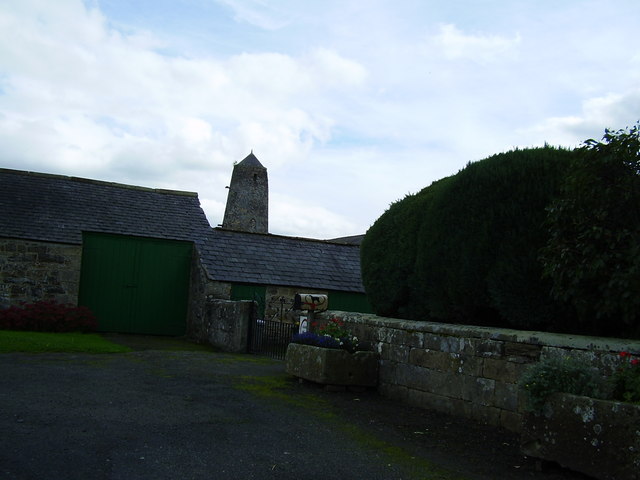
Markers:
point(270, 337)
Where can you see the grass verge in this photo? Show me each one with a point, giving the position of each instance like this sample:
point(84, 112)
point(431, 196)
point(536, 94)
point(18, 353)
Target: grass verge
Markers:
point(42, 342)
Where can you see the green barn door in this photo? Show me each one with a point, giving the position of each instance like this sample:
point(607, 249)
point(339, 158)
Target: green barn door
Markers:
point(134, 284)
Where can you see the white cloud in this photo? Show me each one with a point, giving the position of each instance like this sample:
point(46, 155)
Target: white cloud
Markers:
point(291, 215)
point(371, 102)
point(97, 73)
point(333, 70)
point(257, 12)
point(481, 48)
point(613, 111)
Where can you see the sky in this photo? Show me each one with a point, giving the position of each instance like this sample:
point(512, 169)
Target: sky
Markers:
point(349, 104)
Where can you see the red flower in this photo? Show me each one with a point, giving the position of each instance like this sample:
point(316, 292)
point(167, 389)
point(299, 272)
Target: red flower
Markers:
point(625, 354)
point(635, 361)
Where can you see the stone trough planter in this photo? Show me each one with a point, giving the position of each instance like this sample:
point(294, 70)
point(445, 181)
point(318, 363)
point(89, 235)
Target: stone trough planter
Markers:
point(330, 366)
point(599, 438)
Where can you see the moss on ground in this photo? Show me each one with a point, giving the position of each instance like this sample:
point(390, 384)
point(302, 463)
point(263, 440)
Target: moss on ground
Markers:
point(279, 388)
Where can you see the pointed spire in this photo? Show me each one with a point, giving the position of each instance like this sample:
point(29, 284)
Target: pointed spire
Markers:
point(247, 206)
point(251, 161)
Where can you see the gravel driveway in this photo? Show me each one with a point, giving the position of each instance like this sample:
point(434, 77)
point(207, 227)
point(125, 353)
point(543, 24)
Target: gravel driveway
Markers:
point(164, 412)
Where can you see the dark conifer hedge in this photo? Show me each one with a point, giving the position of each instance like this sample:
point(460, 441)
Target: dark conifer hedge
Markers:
point(388, 254)
point(593, 252)
point(465, 249)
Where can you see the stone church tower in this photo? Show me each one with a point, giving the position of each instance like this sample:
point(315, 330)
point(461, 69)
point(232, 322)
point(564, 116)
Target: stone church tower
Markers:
point(247, 207)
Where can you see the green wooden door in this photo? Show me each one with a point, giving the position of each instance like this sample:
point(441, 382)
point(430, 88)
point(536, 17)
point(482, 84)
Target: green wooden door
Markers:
point(257, 293)
point(349, 302)
point(135, 284)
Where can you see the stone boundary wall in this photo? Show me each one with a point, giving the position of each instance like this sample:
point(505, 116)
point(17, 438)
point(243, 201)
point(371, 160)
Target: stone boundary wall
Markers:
point(468, 371)
point(32, 271)
point(224, 325)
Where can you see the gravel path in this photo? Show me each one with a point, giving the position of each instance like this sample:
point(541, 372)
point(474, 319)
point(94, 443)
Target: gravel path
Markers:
point(163, 412)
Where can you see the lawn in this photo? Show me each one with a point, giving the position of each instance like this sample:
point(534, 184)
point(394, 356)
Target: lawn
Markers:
point(41, 342)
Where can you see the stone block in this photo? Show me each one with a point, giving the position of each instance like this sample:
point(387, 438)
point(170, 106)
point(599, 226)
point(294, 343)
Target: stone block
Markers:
point(396, 353)
point(596, 437)
point(36, 248)
point(485, 414)
point(500, 369)
point(480, 391)
point(487, 348)
point(433, 401)
point(506, 396)
point(413, 376)
point(434, 360)
point(388, 372)
point(446, 343)
point(330, 366)
point(226, 325)
point(522, 352)
point(511, 421)
point(401, 337)
point(470, 365)
point(50, 258)
point(433, 381)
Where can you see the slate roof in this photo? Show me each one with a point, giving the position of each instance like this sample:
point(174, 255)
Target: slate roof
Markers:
point(251, 161)
point(265, 259)
point(353, 239)
point(57, 208)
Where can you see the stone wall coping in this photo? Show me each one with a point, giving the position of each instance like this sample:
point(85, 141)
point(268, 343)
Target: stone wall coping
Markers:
point(558, 340)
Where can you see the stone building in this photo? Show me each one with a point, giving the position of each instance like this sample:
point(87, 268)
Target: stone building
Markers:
point(125, 251)
point(271, 269)
point(247, 263)
point(147, 261)
point(247, 208)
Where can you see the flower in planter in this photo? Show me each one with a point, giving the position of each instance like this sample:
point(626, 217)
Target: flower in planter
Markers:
point(560, 374)
point(331, 335)
point(626, 379)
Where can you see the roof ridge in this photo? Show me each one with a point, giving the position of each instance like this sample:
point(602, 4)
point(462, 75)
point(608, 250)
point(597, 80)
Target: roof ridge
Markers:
point(98, 182)
point(287, 237)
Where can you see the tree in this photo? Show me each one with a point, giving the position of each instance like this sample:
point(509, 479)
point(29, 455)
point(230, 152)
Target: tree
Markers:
point(465, 249)
point(593, 252)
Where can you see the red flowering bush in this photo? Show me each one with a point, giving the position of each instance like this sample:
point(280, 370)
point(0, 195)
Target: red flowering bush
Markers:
point(334, 328)
point(626, 379)
point(48, 316)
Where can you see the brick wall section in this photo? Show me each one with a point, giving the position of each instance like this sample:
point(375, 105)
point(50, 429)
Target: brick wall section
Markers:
point(465, 370)
point(32, 271)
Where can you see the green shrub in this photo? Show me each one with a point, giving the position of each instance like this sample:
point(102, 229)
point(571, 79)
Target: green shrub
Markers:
point(465, 249)
point(626, 379)
point(388, 254)
point(560, 374)
point(478, 247)
point(593, 251)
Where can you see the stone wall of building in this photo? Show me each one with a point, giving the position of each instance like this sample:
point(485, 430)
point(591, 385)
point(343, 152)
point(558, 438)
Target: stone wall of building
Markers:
point(465, 370)
point(247, 208)
point(279, 302)
point(32, 271)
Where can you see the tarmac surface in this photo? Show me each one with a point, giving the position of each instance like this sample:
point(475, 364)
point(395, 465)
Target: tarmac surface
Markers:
point(168, 410)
